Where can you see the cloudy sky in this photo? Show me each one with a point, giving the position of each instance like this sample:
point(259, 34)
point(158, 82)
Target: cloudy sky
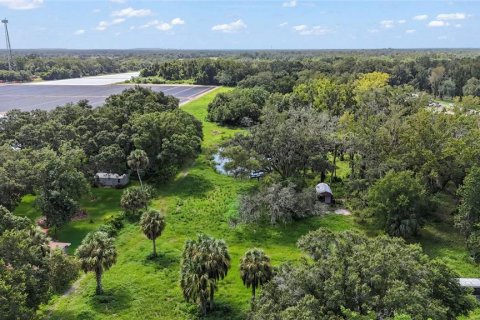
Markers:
point(241, 24)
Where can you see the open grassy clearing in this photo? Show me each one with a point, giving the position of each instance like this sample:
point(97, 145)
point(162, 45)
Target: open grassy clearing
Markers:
point(200, 200)
point(100, 206)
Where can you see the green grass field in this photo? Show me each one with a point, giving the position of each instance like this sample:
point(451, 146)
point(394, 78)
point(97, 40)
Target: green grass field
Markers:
point(199, 200)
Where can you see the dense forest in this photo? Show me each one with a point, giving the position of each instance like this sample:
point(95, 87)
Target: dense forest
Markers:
point(380, 117)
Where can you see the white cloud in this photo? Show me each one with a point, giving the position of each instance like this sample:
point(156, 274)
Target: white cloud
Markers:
point(402, 21)
point(162, 26)
point(97, 10)
point(451, 16)
point(21, 4)
point(103, 25)
point(410, 31)
point(438, 23)
point(232, 27)
point(79, 32)
point(150, 24)
point(421, 17)
point(387, 23)
point(130, 13)
point(283, 24)
point(305, 30)
point(458, 25)
point(300, 27)
point(290, 4)
point(118, 1)
point(177, 21)
point(117, 21)
point(373, 30)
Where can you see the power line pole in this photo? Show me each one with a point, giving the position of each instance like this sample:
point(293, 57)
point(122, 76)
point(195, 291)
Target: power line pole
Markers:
point(9, 48)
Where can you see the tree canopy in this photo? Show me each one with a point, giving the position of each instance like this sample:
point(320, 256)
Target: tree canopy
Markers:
point(377, 277)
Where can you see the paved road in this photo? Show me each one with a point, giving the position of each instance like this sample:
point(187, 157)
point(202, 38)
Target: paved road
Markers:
point(33, 96)
point(90, 81)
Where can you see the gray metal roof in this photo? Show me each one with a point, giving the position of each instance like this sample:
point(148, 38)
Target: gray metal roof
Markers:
point(322, 188)
point(469, 282)
point(104, 175)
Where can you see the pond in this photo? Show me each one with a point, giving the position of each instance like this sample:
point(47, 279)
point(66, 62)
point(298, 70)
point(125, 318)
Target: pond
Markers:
point(220, 163)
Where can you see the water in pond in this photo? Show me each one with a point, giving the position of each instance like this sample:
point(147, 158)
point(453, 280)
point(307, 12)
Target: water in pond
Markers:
point(220, 163)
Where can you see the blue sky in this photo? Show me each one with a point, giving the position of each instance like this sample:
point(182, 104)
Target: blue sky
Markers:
point(241, 24)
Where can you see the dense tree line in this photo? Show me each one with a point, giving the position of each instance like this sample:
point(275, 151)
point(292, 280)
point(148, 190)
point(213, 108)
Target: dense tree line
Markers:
point(442, 75)
point(30, 272)
point(55, 154)
point(28, 67)
point(397, 147)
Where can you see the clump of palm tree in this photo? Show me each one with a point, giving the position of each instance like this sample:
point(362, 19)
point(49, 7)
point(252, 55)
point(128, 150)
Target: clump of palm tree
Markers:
point(138, 161)
point(134, 199)
point(204, 262)
point(255, 270)
point(97, 254)
point(152, 224)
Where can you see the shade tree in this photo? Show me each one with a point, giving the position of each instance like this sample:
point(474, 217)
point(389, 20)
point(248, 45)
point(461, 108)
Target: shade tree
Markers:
point(349, 274)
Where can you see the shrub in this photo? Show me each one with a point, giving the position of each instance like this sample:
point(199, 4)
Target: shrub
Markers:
point(278, 203)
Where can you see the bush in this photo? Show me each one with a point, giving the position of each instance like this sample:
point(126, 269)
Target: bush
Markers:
point(399, 202)
point(116, 221)
point(63, 270)
point(109, 229)
point(278, 203)
point(240, 107)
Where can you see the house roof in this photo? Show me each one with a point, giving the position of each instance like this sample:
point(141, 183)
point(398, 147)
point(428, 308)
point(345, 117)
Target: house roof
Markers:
point(104, 175)
point(469, 282)
point(323, 188)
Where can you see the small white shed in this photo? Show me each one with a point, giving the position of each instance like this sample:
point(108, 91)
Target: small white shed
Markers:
point(324, 193)
point(111, 179)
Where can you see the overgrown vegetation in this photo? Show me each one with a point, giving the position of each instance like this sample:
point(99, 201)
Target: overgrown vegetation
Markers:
point(399, 164)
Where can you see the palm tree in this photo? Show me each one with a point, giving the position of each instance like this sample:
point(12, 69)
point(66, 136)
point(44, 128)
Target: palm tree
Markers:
point(255, 269)
point(135, 198)
point(138, 160)
point(205, 261)
point(152, 223)
point(97, 254)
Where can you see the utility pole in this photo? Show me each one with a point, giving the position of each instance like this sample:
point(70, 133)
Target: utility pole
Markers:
point(9, 48)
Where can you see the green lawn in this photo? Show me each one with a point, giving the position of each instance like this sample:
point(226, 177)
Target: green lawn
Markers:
point(199, 201)
point(102, 204)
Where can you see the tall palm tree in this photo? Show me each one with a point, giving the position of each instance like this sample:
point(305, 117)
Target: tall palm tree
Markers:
point(138, 160)
point(97, 254)
point(205, 261)
point(152, 223)
point(255, 270)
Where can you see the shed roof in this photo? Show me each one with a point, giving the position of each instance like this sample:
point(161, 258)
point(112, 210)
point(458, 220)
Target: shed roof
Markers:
point(469, 282)
point(105, 175)
point(323, 188)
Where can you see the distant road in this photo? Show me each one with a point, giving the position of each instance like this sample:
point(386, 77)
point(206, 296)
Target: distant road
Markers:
point(45, 96)
point(89, 81)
